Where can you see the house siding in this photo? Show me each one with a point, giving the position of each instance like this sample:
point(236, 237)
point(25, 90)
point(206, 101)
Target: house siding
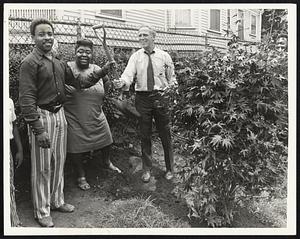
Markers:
point(162, 19)
point(149, 17)
point(206, 28)
point(134, 17)
point(247, 24)
point(203, 21)
point(71, 15)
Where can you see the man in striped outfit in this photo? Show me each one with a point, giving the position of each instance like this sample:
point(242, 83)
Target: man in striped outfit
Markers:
point(42, 85)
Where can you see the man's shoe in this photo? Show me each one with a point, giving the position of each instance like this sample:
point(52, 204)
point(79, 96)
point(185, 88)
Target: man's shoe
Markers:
point(146, 176)
point(65, 208)
point(169, 175)
point(45, 221)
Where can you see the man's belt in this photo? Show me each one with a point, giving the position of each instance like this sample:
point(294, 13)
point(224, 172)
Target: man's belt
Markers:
point(53, 107)
point(153, 92)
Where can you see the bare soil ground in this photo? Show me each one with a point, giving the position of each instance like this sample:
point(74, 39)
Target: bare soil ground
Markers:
point(108, 186)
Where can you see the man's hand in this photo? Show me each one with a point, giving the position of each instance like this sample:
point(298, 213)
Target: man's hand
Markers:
point(43, 140)
point(19, 158)
point(118, 83)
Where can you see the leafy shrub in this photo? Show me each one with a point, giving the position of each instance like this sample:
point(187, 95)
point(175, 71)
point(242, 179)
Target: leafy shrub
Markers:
point(233, 109)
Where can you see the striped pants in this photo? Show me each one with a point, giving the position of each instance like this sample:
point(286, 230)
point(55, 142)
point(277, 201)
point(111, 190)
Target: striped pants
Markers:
point(47, 165)
point(14, 219)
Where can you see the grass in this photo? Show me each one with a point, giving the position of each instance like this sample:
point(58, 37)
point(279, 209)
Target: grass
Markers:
point(137, 213)
point(270, 211)
point(270, 206)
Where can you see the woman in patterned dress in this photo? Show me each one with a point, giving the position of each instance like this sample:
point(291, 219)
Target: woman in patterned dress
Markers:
point(88, 129)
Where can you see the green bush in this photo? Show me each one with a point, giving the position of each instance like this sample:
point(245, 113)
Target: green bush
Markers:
point(233, 109)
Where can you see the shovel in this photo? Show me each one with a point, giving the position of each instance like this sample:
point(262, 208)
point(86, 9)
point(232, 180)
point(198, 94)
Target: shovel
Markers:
point(123, 105)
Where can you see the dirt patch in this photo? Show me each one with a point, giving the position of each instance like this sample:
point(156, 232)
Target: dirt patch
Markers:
point(108, 187)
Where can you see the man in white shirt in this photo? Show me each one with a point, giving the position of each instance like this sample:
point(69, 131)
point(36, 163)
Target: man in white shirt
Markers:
point(154, 71)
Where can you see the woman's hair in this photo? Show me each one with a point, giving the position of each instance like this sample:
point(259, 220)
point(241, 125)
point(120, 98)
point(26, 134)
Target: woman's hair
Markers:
point(84, 42)
point(39, 21)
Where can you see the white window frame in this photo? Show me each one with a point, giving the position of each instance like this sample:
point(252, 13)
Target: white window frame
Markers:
point(173, 26)
point(209, 26)
point(122, 18)
point(253, 15)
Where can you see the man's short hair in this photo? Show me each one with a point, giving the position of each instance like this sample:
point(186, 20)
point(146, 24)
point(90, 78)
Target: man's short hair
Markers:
point(152, 31)
point(84, 42)
point(39, 21)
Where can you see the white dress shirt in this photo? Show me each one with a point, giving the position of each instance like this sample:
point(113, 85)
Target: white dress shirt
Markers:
point(163, 69)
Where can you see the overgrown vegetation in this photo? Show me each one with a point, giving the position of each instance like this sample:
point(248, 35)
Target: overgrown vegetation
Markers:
point(233, 108)
point(274, 23)
point(230, 116)
point(268, 209)
point(137, 213)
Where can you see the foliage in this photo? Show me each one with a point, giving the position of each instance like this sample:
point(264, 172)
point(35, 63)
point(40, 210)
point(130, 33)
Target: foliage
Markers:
point(274, 23)
point(233, 109)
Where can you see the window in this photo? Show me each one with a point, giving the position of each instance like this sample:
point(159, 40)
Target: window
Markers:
point(253, 25)
point(183, 18)
point(241, 24)
point(215, 20)
point(112, 12)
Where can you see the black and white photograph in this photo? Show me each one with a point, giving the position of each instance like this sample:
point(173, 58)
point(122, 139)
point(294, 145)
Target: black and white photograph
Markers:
point(149, 119)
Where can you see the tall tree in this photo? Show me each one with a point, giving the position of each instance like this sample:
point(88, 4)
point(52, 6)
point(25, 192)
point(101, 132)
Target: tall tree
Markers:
point(274, 23)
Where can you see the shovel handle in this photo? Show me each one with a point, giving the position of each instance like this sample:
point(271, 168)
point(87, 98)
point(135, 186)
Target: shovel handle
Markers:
point(95, 27)
point(103, 41)
point(107, 53)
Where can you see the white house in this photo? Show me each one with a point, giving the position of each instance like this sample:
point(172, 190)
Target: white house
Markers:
point(212, 23)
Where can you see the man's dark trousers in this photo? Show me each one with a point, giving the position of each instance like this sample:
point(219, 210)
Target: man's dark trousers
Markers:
point(152, 105)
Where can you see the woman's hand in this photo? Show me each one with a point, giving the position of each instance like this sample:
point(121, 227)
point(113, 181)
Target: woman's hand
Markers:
point(111, 65)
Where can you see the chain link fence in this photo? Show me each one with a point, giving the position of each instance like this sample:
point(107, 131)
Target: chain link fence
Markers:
point(120, 38)
point(118, 35)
